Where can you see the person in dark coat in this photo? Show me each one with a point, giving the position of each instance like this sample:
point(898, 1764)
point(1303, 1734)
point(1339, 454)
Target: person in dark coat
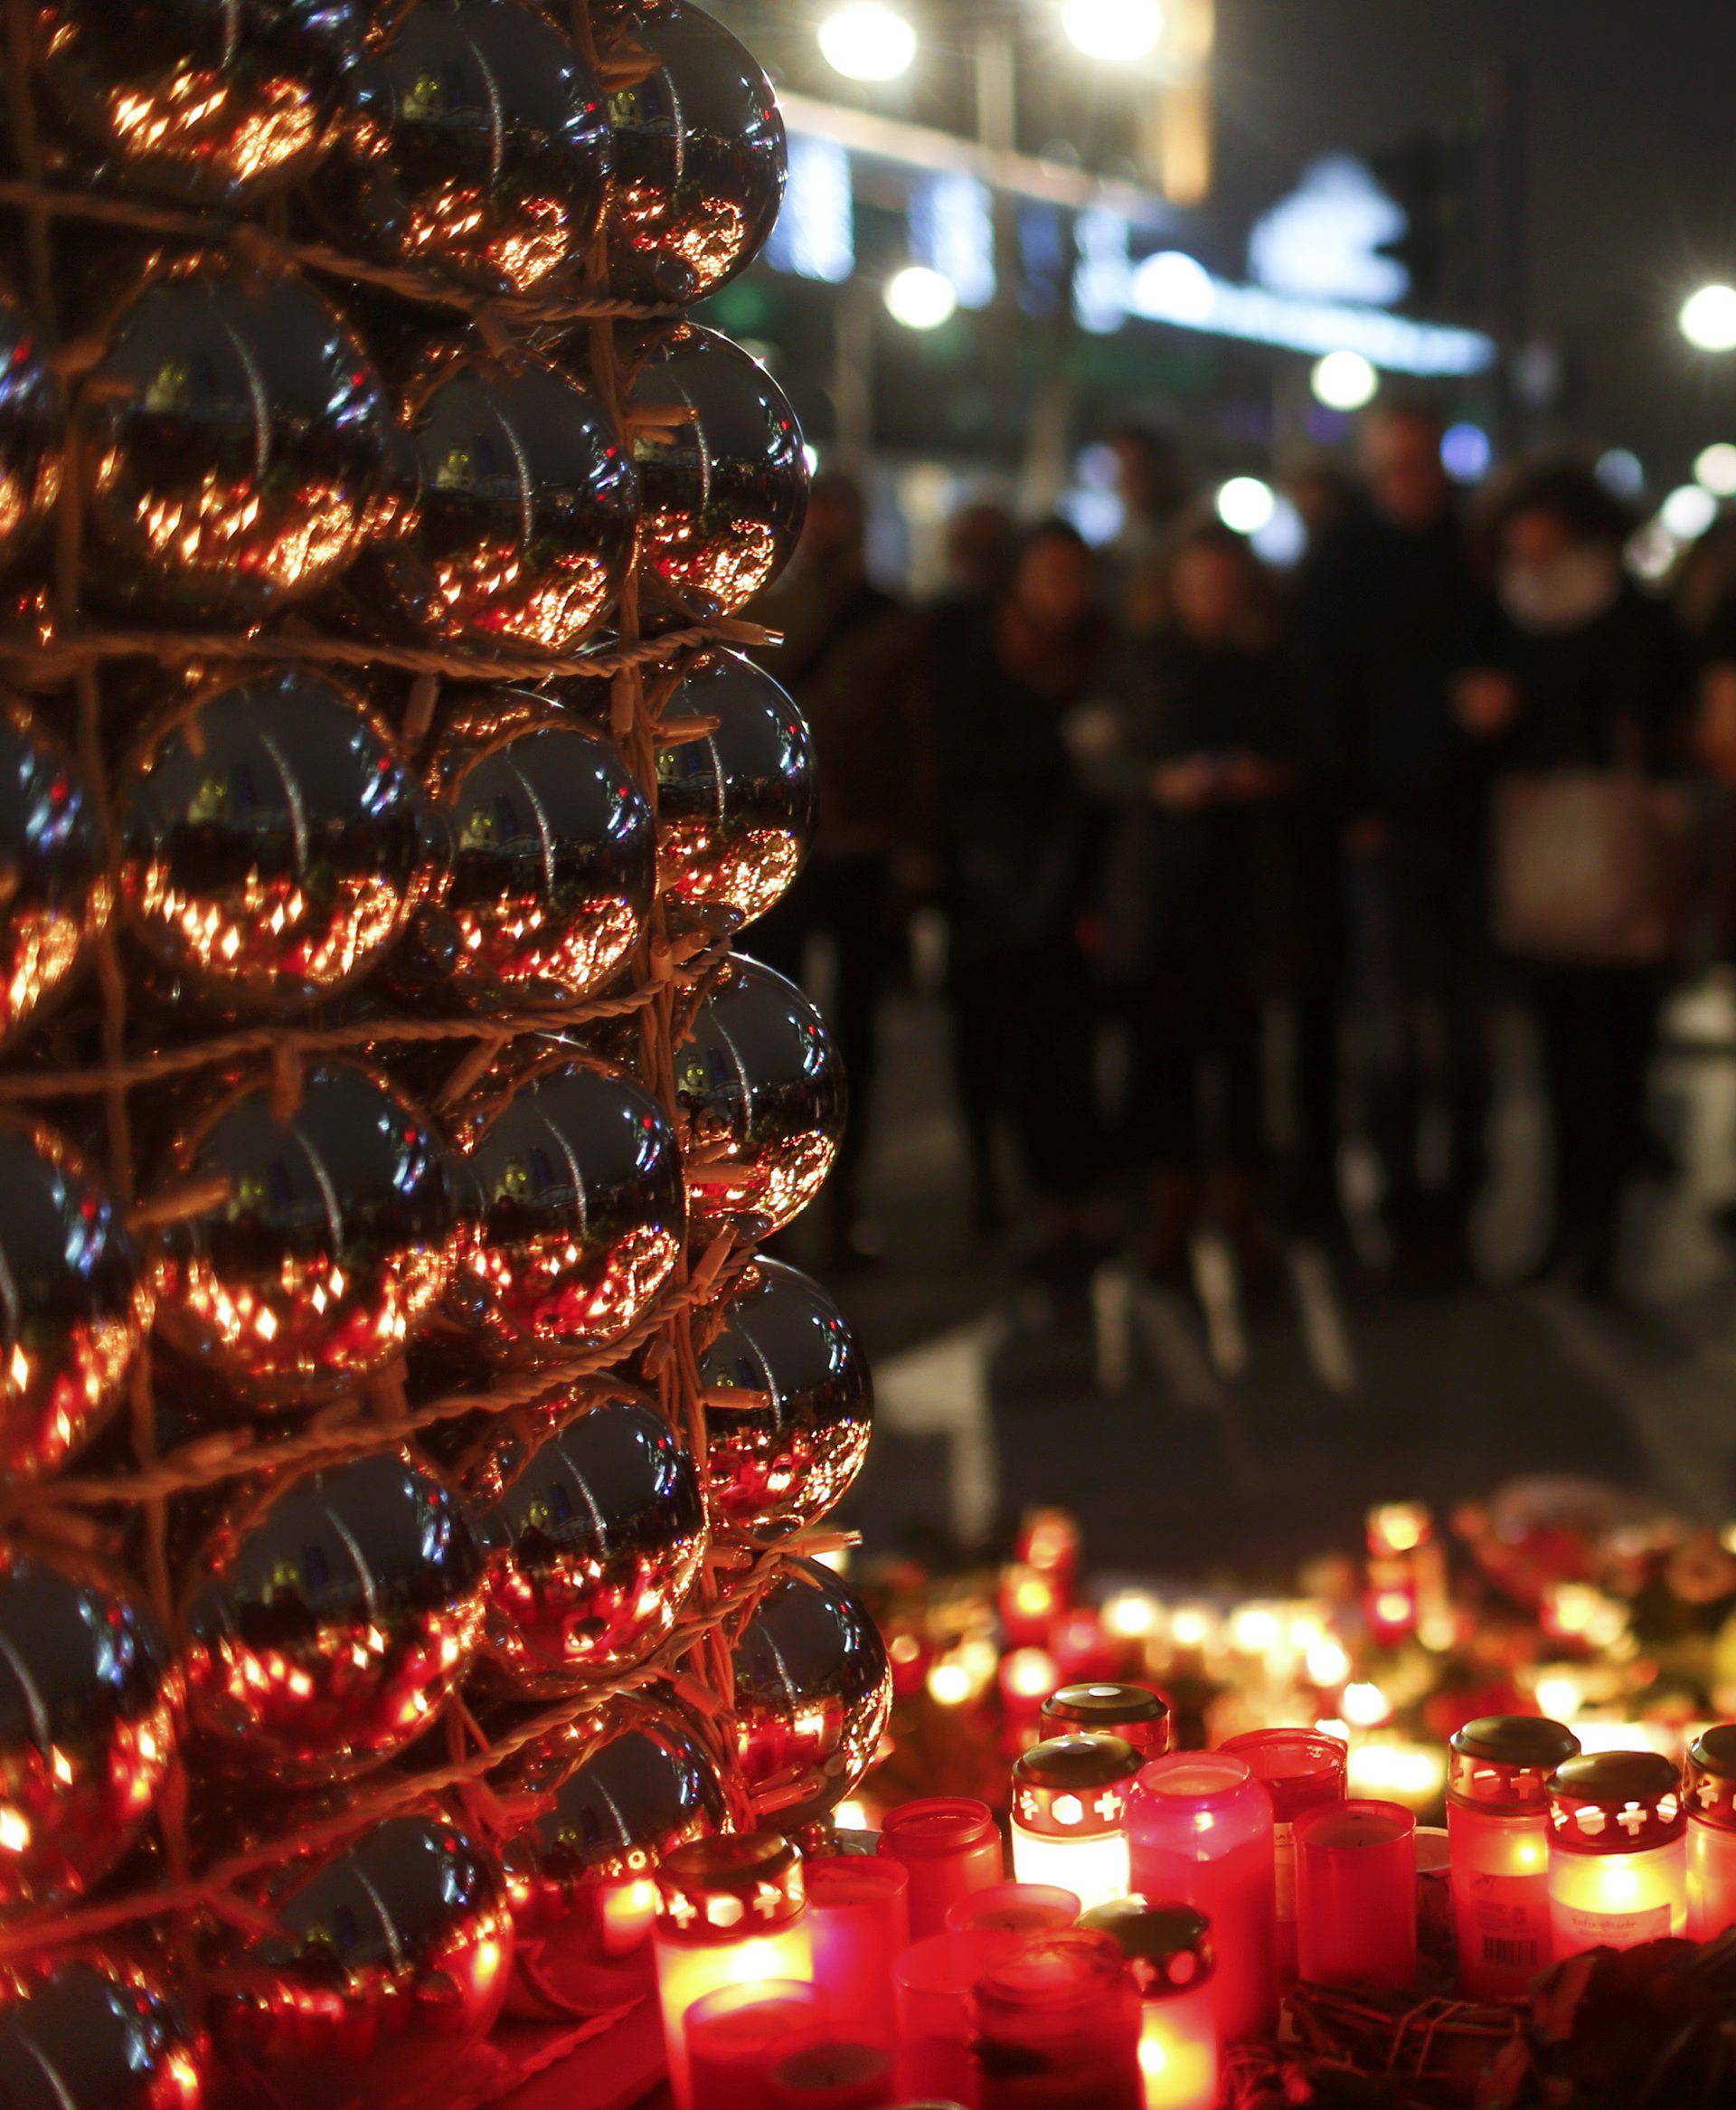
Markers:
point(1016, 853)
point(1199, 884)
point(1599, 679)
point(846, 657)
point(1392, 619)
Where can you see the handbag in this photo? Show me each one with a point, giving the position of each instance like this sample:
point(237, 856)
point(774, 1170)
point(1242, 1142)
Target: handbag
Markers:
point(1593, 868)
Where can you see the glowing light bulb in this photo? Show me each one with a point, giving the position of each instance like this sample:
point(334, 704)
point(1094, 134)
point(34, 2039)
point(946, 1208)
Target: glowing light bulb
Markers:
point(1344, 380)
point(1714, 467)
point(867, 41)
point(1708, 318)
point(1245, 503)
point(1688, 511)
point(1116, 32)
point(921, 299)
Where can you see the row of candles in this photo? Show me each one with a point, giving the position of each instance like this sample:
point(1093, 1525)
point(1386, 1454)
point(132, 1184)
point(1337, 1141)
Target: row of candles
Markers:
point(1160, 1900)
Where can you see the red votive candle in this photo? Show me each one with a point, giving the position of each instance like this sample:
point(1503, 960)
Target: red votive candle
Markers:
point(1199, 1833)
point(1497, 1844)
point(736, 2035)
point(1014, 1908)
point(859, 1918)
point(1617, 1852)
point(1356, 1894)
point(1135, 1713)
point(1029, 1603)
point(1058, 2026)
point(1299, 1770)
point(1069, 1818)
point(1709, 1780)
point(1169, 1948)
point(948, 1845)
point(931, 1987)
point(730, 1912)
point(833, 2075)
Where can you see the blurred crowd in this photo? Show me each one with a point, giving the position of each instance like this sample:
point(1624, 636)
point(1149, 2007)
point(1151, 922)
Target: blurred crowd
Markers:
point(1235, 867)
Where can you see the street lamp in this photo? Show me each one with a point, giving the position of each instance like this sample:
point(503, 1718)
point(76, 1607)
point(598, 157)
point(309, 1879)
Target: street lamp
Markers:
point(1344, 380)
point(865, 40)
point(1708, 318)
point(1119, 33)
point(921, 299)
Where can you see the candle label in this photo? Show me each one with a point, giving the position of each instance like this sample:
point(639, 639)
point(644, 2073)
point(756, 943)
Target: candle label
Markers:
point(1283, 1868)
point(1579, 1927)
point(1509, 1922)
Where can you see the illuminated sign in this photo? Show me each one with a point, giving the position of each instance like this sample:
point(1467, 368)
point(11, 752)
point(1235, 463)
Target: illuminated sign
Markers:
point(1323, 242)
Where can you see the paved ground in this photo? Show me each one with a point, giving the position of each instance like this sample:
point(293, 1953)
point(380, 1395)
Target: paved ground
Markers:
point(1186, 1438)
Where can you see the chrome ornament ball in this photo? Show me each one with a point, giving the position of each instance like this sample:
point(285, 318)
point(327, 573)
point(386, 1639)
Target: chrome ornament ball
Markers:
point(75, 1301)
point(235, 445)
point(31, 456)
point(525, 506)
point(700, 152)
point(761, 1092)
point(54, 892)
point(477, 143)
point(89, 1710)
point(787, 1454)
point(592, 1536)
point(735, 805)
point(813, 1691)
point(719, 459)
point(91, 2030)
point(274, 843)
point(390, 1959)
point(338, 1229)
point(579, 1212)
point(553, 855)
point(326, 1620)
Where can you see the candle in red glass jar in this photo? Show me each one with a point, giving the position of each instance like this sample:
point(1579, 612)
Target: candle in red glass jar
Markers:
point(730, 1911)
point(931, 1986)
point(1199, 1833)
point(1168, 1948)
point(737, 2034)
point(1057, 2020)
point(1013, 1908)
point(1617, 1852)
point(1048, 1541)
point(1069, 1815)
point(1299, 1770)
point(1135, 1713)
point(859, 1917)
point(948, 1846)
point(1497, 1845)
point(1708, 1781)
point(831, 2075)
point(1356, 1894)
point(1029, 1604)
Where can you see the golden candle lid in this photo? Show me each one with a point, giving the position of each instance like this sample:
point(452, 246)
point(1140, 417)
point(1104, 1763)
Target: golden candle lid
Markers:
point(726, 1889)
point(1168, 1948)
point(1506, 1760)
point(1074, 1787)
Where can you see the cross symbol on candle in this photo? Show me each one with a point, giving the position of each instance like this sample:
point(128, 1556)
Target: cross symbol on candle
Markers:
point(1632, 1820)
point(681, 1909)
point(1705, 1793)
point(1108, 1805)
point(767, 1897)
point(1028, 1806)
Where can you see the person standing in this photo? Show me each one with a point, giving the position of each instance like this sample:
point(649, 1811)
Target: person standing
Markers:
point(1590, 849)
point(846, 657)
point(1392, 619)
point(1199, 887)
point(1017, 850)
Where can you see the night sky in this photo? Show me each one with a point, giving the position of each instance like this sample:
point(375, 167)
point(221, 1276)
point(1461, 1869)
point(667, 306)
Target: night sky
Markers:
point(1631, 172)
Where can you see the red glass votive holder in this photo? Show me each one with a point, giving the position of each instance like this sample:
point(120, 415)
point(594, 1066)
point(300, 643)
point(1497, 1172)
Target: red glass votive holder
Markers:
point(931, 1989)
point(859, 1920)
point(1708, 1784)
point(1617, 1852)
point(1135, 1713)
point(1299, 1769)
point(1497, 1840)
point(738, 2034)
point(832, 2075)
point(1199, 1833)
point(1057, 2019)
point(948, 1846)
point(1029, 1603)
point(1168, 1948)
point(1014, 1908)
point(732, 1911)
point(1069, 1818)
point(1356, 1894)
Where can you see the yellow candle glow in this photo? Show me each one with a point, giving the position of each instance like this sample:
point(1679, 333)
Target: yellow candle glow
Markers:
point(628, 1910)
point(730, 1911)
point(1168, 1948)
point(1069, 1815)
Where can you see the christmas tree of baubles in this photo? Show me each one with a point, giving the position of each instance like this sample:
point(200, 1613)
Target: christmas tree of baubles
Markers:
point(410, 1477)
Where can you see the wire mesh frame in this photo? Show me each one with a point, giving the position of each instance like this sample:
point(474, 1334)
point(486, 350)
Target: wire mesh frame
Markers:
point(670, 975)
